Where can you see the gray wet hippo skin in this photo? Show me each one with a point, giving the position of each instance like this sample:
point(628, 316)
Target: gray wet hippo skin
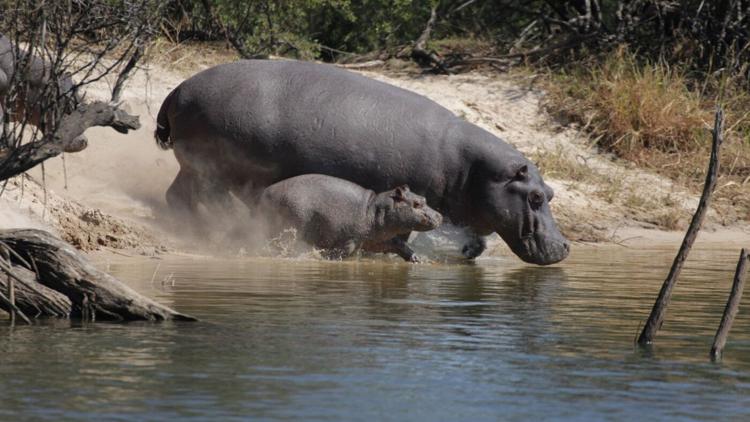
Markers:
point(35, 75)
point(342, 217)
point(242, 126)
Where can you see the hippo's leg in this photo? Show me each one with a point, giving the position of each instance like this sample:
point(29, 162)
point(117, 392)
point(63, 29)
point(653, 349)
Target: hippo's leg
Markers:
point(475, 246)
point(349, 248)
point(181, 195)
point(399, 246)
point(249, 194)
point(214, 195)
point(396, 245)
point(342, 251)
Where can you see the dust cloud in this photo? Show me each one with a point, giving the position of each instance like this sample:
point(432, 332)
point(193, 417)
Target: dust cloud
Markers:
point(127, 176)
point(122, 174)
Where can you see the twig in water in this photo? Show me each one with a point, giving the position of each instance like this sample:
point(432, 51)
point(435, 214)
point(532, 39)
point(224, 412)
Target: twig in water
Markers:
point(116, 252)
point(153, 276)
point(730, 311)
point(659, 310)
point(168, 280)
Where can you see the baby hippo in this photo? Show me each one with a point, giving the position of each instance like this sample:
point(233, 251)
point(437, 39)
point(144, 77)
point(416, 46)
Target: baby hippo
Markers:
point(342, 217)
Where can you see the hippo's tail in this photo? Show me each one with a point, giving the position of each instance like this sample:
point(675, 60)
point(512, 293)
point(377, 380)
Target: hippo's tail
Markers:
point(162, 132)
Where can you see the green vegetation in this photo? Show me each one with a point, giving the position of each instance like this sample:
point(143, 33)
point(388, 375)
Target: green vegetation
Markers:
point(301, 28)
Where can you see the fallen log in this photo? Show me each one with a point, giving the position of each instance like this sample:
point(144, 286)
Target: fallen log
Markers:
point(730, 311)
point(33, 298)
point(362, 65)
point(62, 283)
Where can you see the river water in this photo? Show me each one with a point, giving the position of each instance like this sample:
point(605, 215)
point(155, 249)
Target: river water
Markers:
point(287, 339)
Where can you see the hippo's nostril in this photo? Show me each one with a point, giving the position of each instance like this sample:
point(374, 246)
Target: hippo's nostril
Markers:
point(566, 246)
point(536, 199)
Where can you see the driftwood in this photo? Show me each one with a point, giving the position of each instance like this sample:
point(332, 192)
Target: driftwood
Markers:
point(54, 280)
point(362, 65)
point(32, 298)
point(659, 310)
point(730, 311)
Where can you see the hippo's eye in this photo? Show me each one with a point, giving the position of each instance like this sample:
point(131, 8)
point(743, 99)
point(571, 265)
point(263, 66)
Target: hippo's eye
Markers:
point(417, 205)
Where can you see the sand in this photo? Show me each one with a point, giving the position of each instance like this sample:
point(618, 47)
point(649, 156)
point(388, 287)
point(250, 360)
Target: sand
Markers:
point(111, 195)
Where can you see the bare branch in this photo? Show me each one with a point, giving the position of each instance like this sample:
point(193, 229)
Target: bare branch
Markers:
point(659, 310)
point(71, 127)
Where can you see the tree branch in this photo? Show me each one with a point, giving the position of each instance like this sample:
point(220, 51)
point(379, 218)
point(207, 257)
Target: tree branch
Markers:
point(731, 309)
point(659, 310)
point(419, 52)
point(65, 138)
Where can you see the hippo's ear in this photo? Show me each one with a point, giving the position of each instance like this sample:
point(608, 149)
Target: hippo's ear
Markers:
point(522, 172)
point(399, 194)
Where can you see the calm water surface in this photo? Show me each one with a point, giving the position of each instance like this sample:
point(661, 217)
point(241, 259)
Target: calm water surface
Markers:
point(384, 340)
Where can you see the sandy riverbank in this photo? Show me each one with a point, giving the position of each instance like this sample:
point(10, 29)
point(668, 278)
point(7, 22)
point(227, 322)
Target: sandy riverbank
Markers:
point(111, 194)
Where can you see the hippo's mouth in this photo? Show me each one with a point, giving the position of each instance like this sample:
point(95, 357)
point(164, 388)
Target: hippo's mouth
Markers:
point(430, 221)
point(539, 242)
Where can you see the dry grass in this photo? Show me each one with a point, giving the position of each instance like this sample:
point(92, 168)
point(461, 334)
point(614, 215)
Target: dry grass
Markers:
point(669, 220)
point(558, 164)
point(632, 109)
point(657, 116)
point(188, 57)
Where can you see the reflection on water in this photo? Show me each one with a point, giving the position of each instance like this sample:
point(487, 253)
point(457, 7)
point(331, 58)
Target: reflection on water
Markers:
point(363, 340)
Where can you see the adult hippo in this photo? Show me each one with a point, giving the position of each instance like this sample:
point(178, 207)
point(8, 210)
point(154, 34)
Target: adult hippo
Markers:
point(242, 126)
point(33, 81)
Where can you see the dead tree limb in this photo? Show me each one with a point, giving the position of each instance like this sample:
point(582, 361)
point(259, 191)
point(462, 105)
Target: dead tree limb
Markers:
point(730, 311)
point(424, 57)
point(126, 71)
point(659, 310)
point(35, 299)
point(71, 127)
point(8, 304)
point(91, 294)
point(362, 65)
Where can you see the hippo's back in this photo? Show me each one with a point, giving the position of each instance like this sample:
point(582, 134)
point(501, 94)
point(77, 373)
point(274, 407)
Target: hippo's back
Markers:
point(318, 192)
point(266, 121)
point(329, 208)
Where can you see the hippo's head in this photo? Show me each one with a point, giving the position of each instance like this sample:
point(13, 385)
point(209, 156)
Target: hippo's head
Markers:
point(513, 200)
point(410, 211)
